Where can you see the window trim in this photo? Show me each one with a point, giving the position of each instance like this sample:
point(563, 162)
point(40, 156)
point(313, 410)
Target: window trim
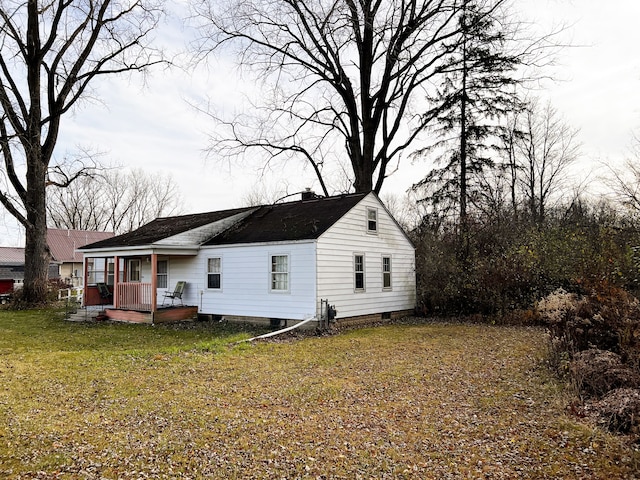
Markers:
point(372, 231)
point(219, 273)
point(272, 273)
point(362, 272)
point(385, 273)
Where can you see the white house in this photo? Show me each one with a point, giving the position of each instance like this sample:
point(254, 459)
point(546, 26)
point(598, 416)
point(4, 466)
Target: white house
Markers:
point(275, 263)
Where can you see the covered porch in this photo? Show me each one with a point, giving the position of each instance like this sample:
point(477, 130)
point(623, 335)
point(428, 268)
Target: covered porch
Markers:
point(130, 286)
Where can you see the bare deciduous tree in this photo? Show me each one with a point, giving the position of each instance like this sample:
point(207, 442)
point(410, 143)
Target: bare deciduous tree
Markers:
point(51, 52)
point(546, 148)
point(625, 182)
point(344, 75)
point(115, 200)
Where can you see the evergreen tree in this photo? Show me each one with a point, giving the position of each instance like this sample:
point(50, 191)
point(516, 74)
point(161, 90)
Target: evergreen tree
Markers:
point(477, 90)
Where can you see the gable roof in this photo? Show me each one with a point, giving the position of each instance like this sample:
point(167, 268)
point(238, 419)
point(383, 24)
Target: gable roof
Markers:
point(291, 221)
point(63, 243)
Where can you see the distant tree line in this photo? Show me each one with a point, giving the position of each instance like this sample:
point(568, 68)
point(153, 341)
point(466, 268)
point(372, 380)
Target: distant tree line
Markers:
point(523, 242)
point(113, 200)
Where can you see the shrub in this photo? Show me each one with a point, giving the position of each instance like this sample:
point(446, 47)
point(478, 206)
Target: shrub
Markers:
point(608, 318)
point(619, 410)
point(509, 262)
point(594, 338)
point(597, 372)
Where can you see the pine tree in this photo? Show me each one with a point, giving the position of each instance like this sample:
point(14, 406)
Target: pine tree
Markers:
point(477, 91)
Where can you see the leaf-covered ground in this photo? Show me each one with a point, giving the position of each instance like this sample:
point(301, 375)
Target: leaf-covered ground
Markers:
point(404, 401)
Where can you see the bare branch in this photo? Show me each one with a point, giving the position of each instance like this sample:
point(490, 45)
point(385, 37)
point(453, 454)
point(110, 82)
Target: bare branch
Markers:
point(346, 72)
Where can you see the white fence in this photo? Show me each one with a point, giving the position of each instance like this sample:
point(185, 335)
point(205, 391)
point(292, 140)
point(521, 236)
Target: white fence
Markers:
point(74, 294)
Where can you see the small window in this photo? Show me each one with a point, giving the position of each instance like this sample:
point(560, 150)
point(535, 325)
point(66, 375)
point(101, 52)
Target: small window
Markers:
point(386, 273)
point(162, 275)
point(372, 220)
point(279, 272)
point(214, 273)
point(358, 268)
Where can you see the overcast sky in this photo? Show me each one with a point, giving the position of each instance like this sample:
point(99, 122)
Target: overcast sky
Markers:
point(154, 127)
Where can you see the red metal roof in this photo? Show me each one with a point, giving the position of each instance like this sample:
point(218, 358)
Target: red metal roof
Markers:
point(63, 243)
point(11, 255)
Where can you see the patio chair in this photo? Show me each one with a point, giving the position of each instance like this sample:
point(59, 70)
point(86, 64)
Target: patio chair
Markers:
point(104, 292)
point(177, 293)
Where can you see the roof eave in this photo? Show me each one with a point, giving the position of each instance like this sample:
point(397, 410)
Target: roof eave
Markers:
point(145, 250)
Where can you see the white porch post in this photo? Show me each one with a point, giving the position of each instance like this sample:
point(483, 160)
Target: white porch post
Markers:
point(154, 282)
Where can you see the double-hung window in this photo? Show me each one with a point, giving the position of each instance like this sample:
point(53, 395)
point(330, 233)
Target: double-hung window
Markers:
point(358, 272)
point(162, 274)
point(372, 220)
point(386, 273)
point(214, 273)
point(279, 273)
point(135, 270)
point(111, 271)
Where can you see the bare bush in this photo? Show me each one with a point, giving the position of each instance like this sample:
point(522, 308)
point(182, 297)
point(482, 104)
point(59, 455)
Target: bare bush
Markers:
point(619, 410)
point(597, 372)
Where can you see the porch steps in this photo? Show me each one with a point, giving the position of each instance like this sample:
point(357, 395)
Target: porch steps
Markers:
point(82, 315)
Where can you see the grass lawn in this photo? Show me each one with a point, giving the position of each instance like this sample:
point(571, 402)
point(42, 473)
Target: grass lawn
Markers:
point(93, 401)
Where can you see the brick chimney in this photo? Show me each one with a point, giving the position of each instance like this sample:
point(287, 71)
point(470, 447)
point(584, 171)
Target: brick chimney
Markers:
point(308, 194)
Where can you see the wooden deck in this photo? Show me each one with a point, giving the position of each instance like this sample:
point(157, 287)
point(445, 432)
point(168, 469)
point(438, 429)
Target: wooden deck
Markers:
point(162, 315)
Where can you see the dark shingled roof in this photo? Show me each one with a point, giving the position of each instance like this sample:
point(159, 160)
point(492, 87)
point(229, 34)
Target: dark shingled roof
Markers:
point(301, 220)
point(164, 227)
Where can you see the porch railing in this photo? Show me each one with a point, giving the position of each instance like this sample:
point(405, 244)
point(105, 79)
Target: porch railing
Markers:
point(134, 295)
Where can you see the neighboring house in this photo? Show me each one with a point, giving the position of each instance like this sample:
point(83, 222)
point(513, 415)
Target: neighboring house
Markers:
point(66, 262)
point(64, 244)
point(269, 263)
point(12, 269)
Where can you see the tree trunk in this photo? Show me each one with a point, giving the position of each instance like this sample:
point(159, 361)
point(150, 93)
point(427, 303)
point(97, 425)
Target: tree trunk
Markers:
point(363, 182)
point(36, 252)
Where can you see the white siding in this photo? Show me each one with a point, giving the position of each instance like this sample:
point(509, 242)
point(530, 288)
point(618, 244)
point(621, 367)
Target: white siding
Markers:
point(181, 269)
point(246, 280)
point(348, 237)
